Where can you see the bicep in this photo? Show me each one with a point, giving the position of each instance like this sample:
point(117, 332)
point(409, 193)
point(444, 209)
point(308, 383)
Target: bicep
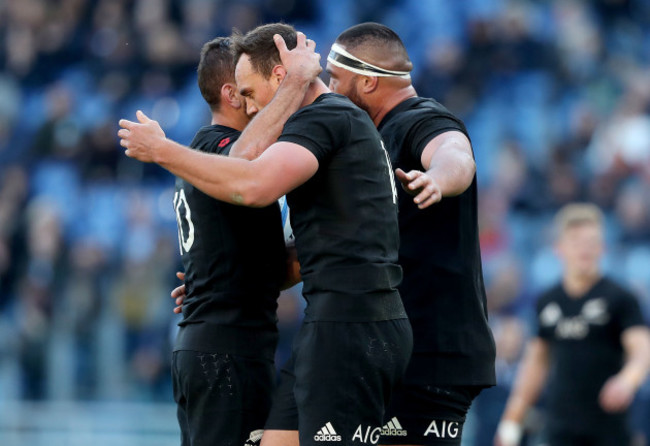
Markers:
point(283, 167)
point(452, 143)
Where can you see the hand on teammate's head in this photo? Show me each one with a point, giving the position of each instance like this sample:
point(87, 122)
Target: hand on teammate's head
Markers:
point(302, 61)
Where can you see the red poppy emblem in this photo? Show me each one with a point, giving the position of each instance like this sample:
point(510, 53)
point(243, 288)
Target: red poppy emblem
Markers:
point(224, 142)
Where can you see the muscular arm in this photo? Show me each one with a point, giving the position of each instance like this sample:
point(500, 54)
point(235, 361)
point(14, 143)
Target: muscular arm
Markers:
point(528, 385)
point(450, 169)
point(280, 169)
point(618, 392)
point(448, 159)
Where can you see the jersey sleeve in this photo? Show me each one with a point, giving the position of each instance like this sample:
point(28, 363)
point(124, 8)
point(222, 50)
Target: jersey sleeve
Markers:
point(427, 129)
point(541, 330)
point(628, 312)
point(321, 130)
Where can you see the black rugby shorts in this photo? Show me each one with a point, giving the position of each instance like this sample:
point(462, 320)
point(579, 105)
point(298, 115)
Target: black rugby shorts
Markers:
point(427, 415)
point(222, 399)
point(336, 386)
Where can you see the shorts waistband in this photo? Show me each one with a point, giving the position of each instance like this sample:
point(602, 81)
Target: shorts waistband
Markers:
point(368, 278)
point(355, 308)
point(213, 338)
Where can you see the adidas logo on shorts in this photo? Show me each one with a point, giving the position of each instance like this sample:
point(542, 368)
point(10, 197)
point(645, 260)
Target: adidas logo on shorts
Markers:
point(393, 429)
point(254, 438)
point(327, 433)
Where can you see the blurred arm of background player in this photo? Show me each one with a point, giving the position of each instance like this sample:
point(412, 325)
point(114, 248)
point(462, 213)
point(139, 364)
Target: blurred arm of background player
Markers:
point(528, 385)
point(450, 169)
point(619, 390)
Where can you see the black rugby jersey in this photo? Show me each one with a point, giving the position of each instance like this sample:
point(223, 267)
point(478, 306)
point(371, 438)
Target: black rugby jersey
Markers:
point(584, 336)
point(345, 216)
point(234, 261)
point(442, 289)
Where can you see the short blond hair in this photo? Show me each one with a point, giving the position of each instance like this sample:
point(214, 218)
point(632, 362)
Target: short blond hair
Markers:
point(577, 214)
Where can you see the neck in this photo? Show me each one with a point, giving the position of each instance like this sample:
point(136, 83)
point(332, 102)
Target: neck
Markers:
point(315, 89)
point(577, 285)
point(233, 120)
point(388, 100)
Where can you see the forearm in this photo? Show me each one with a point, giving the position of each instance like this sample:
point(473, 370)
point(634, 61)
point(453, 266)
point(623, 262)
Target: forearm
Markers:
point(452, 170)
point(637, 363)
point(226, 179)
point(267, 125)
point(530, 381)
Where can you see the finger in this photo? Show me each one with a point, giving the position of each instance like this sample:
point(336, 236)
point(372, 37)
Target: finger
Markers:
point(123, 133)
point(178, 310)
point(142, 117)
point(428, 202)
point(179, 300)
point(180, 275)
point(423, 195)
point(419, 182)
point(312, 45)
point(280, 43)
point(300, 39)
point(402, 176)
point(178, 291)
point(125, 123)
point(124, 143)
point(432, 198)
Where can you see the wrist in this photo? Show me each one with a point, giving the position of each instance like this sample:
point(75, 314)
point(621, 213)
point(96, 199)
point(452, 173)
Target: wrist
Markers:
point(509, 432)
point(297, 80)
point(159, 152)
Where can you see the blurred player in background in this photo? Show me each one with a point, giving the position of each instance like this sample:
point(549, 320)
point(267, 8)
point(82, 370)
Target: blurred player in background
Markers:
point(592, 349)
point(234, 261)
point(356, 340)
point(442, 290)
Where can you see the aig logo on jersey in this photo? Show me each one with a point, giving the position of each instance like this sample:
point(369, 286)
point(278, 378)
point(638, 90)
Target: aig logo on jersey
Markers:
point(443, 429)
point(327, 433)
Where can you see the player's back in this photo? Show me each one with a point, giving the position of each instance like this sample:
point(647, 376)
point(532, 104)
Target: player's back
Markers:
point(233, 256)
point(344, 217)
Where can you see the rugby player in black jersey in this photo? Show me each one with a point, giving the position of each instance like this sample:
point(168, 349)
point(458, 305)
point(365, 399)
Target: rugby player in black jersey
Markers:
point(234, 262)
point(591, 344)
point(443, 292)
point(355, 341)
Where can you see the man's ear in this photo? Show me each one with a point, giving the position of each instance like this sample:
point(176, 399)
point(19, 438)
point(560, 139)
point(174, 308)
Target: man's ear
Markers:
point(229, 95)
point(369, 84)
point(278, 73)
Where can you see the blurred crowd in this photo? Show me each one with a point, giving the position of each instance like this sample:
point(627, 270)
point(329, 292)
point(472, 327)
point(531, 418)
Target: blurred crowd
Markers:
point(555, 94)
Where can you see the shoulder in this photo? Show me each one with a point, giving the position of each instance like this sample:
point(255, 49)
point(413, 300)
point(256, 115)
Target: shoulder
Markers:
point(330, 104)
point(615, 291)
point(425, 114)
point(214, 138)
point(552, 294)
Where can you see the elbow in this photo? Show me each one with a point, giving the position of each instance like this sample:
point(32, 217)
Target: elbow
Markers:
point(253, 194)
point(466, 174)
